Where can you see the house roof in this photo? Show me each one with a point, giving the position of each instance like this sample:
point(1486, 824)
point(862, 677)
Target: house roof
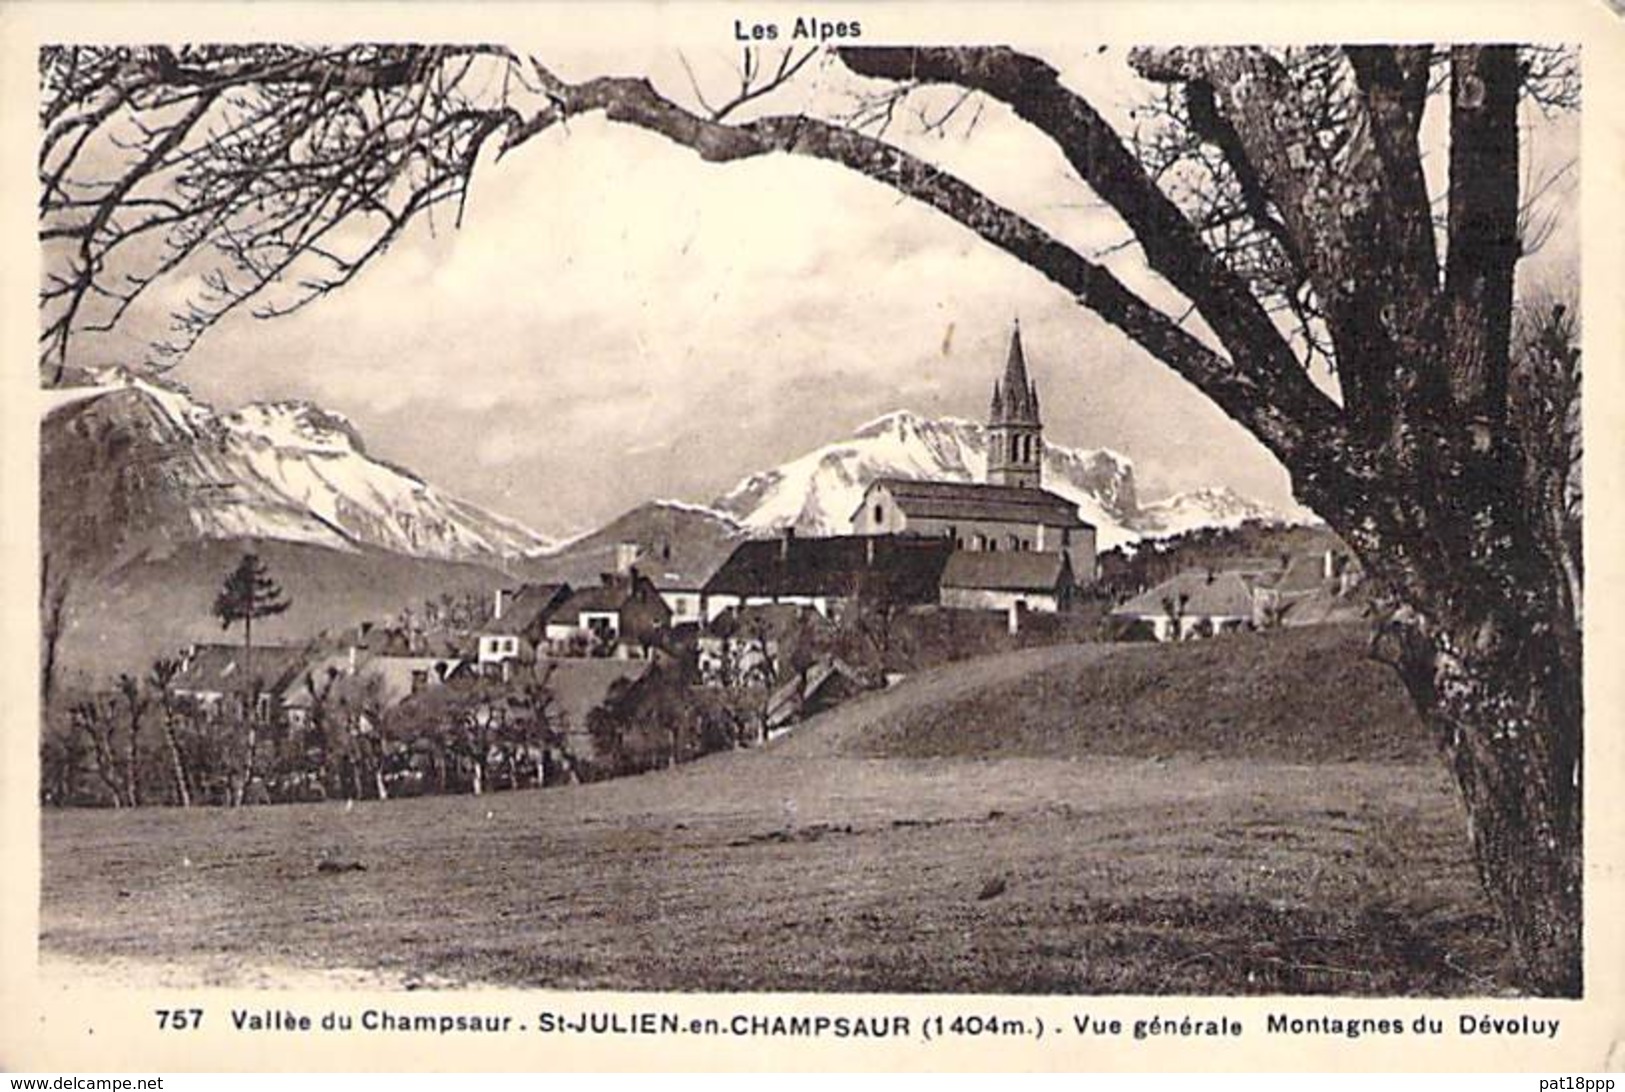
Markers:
point(887, 568)
point(580, 686)
point(1305, 573)
point(1219, 595)
point(217, 668)
point(315, 672)
point(774, 620)
point(785, 702)
point(611, 596)
point(1252, 566)
point(532, 604)
point(1007, 570)
point(394, 673)
point(974, 500)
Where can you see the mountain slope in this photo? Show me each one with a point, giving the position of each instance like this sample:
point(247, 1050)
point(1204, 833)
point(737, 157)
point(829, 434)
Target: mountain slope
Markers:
point(1215, 506)
point(122, 619)
point(172, 470)
point(677, 546)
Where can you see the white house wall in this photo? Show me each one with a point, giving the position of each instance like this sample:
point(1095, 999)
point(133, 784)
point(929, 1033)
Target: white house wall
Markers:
point(685, 606)
point(1039, 602)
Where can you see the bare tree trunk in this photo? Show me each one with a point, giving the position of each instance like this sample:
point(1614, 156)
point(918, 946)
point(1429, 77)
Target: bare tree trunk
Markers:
point(132, 779)
point(246, 776)
point(1487, 641)
point(54, 599)
point(1507, 716)
point(380, 789)
point(101, 744)
point(239, 791)
point(177, 765)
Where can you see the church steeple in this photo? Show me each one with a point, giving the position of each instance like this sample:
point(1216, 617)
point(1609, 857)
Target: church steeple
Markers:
point(1015, 435)
point(1016, 395)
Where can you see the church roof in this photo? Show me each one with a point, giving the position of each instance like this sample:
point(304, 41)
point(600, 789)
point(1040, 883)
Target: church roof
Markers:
point(973, 500)
point(1007, 570)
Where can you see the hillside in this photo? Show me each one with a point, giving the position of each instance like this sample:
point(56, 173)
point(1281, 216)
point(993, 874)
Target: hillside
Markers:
point(155, 604)
point(678, 546)
point(1264, 697)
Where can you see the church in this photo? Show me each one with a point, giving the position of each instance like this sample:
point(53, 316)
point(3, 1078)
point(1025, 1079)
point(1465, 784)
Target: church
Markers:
point(1011, 511)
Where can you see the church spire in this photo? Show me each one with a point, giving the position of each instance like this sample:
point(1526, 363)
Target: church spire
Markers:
point(1015, 434)
point(1016, 399)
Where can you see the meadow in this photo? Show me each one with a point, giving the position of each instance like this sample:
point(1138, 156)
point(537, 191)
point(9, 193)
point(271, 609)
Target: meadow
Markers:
point(1259, 815)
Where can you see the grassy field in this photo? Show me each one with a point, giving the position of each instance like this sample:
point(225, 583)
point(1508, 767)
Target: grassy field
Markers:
point(1075, 846)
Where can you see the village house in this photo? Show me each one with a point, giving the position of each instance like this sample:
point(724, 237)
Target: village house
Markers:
point(829, 575)
point(822, 686)
point(518, 625)
point(746, 646)
point(212, 676)
point(1311, 589)
point(1299, 589)
point(1011, 511)
point(679, 579)
point(623, 617)
point(1039, 582)
point(1193, 603)
point(391, 678)
point(578, 687)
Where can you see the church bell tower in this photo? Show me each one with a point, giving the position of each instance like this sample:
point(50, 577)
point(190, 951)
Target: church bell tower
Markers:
point(1015, 435)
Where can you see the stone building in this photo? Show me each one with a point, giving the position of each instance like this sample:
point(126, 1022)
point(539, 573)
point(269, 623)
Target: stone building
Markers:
point(1011, 511)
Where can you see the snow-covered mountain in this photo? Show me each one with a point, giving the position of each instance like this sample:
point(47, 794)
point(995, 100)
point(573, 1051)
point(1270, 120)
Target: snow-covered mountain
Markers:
point(1215, 506)
point(130, 465)
point(818, 492)
point(289, 471)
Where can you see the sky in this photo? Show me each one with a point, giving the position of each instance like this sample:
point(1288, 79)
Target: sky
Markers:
point(616, 321)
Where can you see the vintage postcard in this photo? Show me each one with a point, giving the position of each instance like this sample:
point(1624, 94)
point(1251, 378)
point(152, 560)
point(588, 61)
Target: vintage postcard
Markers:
point(1065, 536)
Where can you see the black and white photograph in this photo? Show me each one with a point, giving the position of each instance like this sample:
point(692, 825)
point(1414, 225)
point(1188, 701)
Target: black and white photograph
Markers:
point(795, 502)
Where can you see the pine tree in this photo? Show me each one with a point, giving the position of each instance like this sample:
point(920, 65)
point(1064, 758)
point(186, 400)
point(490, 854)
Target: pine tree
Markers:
point(248, 593)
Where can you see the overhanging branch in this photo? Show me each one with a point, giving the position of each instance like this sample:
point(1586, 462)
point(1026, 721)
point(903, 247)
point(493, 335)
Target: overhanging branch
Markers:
point(1284, 410)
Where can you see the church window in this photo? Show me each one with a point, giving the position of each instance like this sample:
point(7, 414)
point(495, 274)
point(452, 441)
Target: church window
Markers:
point(1066, 537)
point(1015, 448)
point(880, 513)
